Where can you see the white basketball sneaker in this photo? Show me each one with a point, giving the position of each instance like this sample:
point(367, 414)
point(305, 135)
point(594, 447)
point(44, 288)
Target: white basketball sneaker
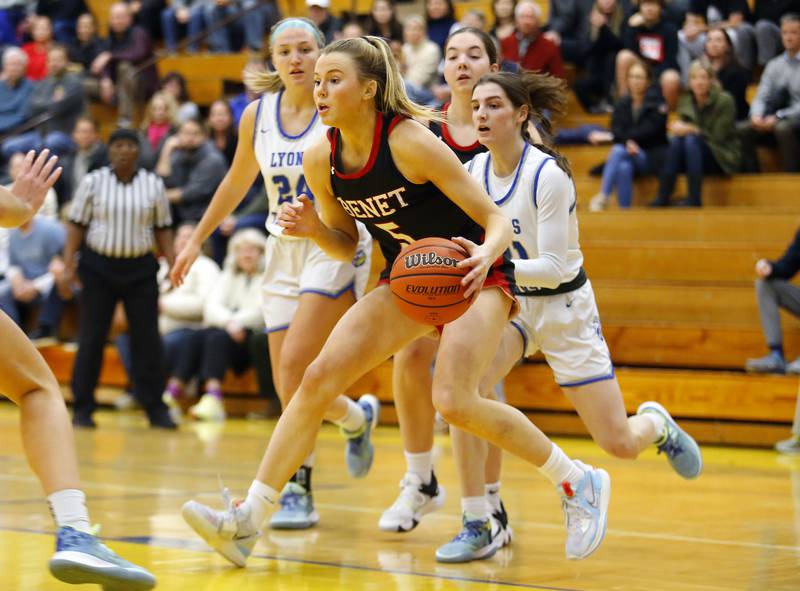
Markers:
point(414, 502)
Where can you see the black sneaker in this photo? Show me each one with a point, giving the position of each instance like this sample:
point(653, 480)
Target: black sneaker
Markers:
point(84, 422)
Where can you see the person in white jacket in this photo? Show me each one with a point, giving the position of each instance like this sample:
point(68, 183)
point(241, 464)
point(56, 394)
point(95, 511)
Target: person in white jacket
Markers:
point(181, 318)
point(231, 313)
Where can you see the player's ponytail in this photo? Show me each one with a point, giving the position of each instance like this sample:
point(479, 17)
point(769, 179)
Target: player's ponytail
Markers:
point(544, 95)
point(259, 81)
point(374, 61)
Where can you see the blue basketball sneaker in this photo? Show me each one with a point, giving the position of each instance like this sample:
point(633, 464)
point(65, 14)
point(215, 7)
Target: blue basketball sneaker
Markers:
point(359, 451)
point(585, 511)
point(82, 558)
point(297, 509)
point(682, 450)
point(477, 540)
point(229, 532)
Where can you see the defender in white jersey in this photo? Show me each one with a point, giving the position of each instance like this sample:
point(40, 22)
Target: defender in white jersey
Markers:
point(558, 315)
point(305, 292)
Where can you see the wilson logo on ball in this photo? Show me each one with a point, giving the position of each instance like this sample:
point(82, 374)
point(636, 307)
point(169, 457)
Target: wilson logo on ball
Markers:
point(429, 259)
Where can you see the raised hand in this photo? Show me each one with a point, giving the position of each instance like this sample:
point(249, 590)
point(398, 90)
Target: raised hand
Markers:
point(38, 175)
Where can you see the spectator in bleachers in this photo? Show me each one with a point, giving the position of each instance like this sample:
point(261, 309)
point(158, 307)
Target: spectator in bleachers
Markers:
point(733, 16)
point(175, 84)
point(231, 315)
point(474, 18)
point(773, 292)
point(731, 75)
point(382, 21)
point(569, 27)
point(650, 37)
point(775, 112)
point(224, 39)
point(528, 47)
point(12, 14)
point(180, 320)
point(503, 11)
point(87, 45)
point(127, 48)
point(704, 140)
point(639, 125)
point(352, 30)
point(61, 97)
point(160, 121)
point(89, 154)
point(30, 286)
point(440, 16)
point(222, 129)
point(318, 12)
point(767, 18)
point(606, 22)
point(147, 15)
point(421, 56)
point(260, 19)
point(182, 18)
point(15, 89)
point(192, 168)
point(64, 16)
point(37, 48)
point(119, 214)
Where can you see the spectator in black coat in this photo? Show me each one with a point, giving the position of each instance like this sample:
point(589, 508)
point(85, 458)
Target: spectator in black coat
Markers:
point(192, 168)
point(639, 125)
point(90, 154)
point(64, 15)
point(731, 75)
point(569, 27)
point(650, 37)
point(774, 292)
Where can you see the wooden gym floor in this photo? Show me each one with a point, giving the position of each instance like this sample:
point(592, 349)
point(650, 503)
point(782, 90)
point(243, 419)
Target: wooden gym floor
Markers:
point(737, 527)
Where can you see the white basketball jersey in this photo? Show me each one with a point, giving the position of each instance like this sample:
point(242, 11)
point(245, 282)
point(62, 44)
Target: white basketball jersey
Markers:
point(536, 179)
point(280, 156)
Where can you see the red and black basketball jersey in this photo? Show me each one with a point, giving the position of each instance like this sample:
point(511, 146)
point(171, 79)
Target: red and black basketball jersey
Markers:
point(464, 153)
point(395, 210)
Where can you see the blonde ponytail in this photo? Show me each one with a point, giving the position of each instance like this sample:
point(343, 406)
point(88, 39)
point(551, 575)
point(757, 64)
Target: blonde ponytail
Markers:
point(374, 61)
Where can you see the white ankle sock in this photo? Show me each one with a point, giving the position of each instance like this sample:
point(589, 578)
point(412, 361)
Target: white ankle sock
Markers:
point(659, 423)
point(493, 495)
point(260, 499)
point(559, 468)
point(353, 419)
point(420, 464)
point(475, 508)
point(68, 507)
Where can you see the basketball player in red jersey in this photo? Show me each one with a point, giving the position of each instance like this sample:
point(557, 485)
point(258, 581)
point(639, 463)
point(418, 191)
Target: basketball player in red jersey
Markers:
point(388, 171)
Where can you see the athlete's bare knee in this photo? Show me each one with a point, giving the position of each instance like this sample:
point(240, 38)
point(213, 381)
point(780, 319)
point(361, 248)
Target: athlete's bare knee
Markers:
point(320, 384)
point(452, 405)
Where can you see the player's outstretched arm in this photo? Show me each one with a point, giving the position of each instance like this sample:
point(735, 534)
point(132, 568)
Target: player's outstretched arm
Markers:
point(23, 200)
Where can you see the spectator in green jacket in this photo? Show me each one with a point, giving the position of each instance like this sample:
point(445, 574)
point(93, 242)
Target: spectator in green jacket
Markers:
point(704, 139)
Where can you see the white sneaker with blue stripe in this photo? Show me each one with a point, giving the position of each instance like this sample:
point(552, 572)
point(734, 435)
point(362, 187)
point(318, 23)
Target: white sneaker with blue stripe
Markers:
point(477, 540)
point(82, 558)
point(585, 511)
point(359, 451)
point(297, 509)
point(229, 532)
point(682, 450)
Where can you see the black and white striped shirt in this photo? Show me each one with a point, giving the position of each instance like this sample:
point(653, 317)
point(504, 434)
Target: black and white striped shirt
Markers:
point(120, 216)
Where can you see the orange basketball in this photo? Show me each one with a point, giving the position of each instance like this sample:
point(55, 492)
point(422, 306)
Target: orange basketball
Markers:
point(426, 282)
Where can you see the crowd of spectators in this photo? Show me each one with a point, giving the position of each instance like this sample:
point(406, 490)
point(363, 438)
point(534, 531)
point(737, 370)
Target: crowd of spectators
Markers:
point(673, 75)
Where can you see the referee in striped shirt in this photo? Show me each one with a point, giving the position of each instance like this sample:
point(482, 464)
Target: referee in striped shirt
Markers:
point(119, 213)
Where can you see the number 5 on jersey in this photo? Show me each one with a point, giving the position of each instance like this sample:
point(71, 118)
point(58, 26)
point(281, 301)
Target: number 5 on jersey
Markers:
point(390, 227)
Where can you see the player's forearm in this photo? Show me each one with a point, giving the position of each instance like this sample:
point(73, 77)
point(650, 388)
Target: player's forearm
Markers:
point(498, 234)
point(337, 244)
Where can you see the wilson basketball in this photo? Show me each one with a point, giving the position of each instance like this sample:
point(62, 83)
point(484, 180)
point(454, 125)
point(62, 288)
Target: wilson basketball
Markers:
point(426, 282)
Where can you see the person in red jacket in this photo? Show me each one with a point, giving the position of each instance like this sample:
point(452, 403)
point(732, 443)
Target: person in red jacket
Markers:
point(42, 38)
point(528, 47)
